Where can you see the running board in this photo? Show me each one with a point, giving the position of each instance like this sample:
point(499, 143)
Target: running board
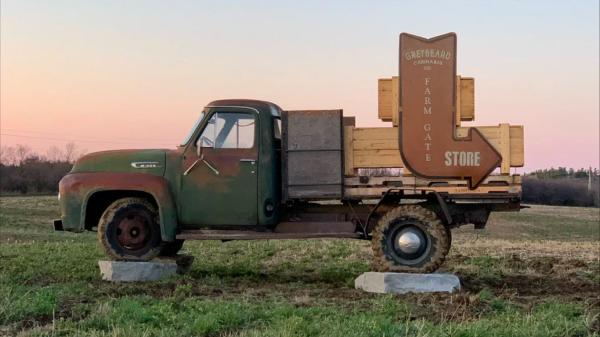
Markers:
point(285, 230)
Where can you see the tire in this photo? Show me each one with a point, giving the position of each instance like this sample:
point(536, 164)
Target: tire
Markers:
point(425, 244)
point(171, 248)
point(129, 230)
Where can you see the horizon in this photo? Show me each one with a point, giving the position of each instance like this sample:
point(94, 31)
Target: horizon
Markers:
point(114, 75)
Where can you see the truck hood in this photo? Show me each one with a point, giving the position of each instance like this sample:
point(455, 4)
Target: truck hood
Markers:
point(141, 161)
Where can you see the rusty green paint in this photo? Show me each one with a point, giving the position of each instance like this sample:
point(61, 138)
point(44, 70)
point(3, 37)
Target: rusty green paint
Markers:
point(224, 193)
point(211, 202)
point(121, 161)
point(76, 189)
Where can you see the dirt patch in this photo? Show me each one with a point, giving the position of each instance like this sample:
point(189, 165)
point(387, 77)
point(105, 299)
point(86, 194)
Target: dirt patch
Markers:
point(531, 285)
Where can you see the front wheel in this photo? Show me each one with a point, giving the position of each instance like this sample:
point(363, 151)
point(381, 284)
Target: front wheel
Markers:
point(129, 230)
point(410, 239)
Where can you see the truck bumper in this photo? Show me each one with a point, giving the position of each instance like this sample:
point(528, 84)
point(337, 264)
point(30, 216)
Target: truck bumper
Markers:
point(58, 225)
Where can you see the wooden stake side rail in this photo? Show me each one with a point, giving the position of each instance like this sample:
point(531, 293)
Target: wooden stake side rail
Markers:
point(374, 187)
point(379, 147)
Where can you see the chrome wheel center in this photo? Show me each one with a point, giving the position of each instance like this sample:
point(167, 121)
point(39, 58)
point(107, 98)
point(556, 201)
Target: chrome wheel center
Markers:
point(409, 242)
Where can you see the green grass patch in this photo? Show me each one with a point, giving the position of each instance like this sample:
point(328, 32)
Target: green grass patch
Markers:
point(50, 286)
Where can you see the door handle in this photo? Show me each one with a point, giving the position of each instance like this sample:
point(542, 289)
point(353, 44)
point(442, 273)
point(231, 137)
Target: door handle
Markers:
point(251, 161)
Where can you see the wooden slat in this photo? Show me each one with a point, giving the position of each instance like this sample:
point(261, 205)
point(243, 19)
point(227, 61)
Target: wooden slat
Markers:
point(395, 100)
point(413, 181)
point(377, 158)
point(375, 186)
point(379, 147)
point(388, 92)
point(376, 133)
point(348, 150)
point(517, 146)
point(384, 109)
point(467, 99)
point(504, 145)
point(376, 192)
point(458, 97)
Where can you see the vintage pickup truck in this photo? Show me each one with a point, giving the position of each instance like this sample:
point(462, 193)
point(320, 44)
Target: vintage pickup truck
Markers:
point(250, 170)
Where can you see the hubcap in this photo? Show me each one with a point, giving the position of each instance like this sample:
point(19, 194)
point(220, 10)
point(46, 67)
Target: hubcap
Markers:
point(409, 242)
point(133, 232)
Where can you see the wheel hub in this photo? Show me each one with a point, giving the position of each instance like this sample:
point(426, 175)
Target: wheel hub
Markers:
point(409, 242)
point(133, 232)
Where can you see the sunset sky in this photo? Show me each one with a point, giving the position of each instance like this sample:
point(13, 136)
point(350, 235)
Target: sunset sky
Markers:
point(136, 74)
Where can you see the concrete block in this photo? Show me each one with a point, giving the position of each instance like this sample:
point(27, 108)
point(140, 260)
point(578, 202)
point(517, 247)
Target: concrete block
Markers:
point(142, 271)
point(402, 283)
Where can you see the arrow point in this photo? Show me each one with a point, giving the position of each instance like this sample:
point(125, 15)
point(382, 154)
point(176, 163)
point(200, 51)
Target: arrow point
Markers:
point(476, 179)
point(489, 161)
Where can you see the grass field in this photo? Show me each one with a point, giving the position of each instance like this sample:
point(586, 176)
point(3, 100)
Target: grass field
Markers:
point(533, 273)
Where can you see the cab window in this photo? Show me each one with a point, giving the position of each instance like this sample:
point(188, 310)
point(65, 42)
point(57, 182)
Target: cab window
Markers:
point(228, 130)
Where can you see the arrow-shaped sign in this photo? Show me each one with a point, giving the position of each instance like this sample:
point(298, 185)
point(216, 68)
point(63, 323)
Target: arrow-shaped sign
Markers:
point(428, 144)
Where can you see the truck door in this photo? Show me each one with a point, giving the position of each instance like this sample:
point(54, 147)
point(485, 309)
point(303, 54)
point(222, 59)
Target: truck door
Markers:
point(219, 178)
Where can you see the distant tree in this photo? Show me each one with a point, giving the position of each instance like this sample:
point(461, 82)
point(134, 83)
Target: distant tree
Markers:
point(7, 155)
point(22, 152)
point(24, 171)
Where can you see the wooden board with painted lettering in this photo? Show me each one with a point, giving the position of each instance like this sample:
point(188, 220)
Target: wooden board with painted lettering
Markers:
point(388, 99)
point(428, 143)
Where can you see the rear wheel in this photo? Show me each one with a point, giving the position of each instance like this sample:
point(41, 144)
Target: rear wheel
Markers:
point(410, 239)
point(129, 230)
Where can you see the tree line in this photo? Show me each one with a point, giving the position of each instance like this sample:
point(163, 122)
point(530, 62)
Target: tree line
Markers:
point(562, 186)
point(23, 171)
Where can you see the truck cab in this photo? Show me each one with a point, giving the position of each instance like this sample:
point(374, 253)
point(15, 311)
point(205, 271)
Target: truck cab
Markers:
point(230, 166)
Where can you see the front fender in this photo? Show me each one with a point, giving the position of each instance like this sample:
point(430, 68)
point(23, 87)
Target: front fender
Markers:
point(76, 189)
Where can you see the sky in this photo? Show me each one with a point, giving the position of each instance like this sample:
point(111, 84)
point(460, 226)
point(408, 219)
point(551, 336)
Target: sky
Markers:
point(136, 74)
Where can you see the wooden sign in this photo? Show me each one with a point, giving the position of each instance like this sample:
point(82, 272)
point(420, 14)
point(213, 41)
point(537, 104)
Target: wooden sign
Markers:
point(428, 144)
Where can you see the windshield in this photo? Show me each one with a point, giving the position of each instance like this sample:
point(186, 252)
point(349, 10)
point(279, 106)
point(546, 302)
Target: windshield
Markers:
point(189, 136)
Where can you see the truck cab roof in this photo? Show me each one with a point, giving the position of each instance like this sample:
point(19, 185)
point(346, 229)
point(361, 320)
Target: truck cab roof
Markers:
point(261, 106)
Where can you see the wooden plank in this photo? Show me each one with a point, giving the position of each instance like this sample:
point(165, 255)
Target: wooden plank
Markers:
point(388, 92)
point(412, 181)
point(517, 146)
point(377, 158)
point(457, 111)
point(376, 133)
point(384, 108)
point(380, 144)
point(467, 98)
point(368, 140)
point(376, 192)
point(348, 150)
point(504, 145)
point(395, 100)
